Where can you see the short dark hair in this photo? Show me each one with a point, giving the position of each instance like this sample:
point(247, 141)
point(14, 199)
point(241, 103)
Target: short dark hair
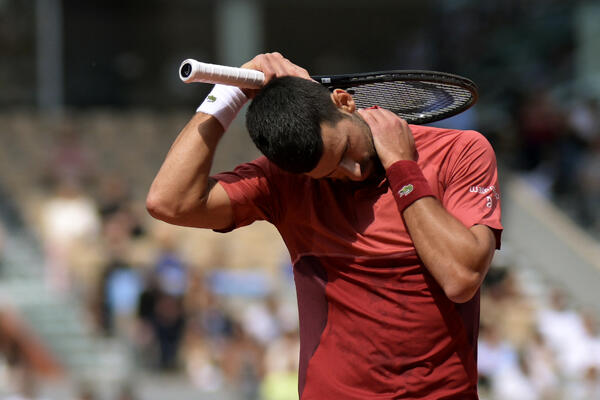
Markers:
point(284, 121)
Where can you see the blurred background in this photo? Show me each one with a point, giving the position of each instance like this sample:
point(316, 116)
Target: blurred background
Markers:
point(99, 301)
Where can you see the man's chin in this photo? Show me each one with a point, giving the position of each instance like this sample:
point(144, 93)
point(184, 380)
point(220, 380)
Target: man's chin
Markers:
point(374, 172)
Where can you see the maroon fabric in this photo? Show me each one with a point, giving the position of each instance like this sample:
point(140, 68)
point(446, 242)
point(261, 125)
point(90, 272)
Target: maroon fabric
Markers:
point(374, 323)
point(310, 278)
point(378, 344)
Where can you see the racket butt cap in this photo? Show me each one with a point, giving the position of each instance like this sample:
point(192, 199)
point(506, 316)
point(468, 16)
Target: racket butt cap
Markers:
point(185, 70)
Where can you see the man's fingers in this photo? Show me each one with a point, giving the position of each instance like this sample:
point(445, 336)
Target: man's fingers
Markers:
point(301, 72)
point(369, 115)
point(378, 114)
point(276, 65)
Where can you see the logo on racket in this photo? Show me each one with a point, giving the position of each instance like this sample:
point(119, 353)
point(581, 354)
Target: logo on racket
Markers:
point(406, 190)
point(211, 98)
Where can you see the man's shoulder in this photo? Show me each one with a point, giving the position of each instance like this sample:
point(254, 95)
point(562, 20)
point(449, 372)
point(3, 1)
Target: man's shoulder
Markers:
point(273, 170)
point(437, 138)
point(437, 132)
point(262, 167)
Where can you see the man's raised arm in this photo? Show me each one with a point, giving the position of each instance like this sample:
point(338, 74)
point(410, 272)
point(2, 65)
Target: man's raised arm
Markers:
point(458, 257)
point(182, 192)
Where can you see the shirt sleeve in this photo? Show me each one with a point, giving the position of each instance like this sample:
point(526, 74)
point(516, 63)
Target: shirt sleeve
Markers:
point(471, 191)
point(250, 189)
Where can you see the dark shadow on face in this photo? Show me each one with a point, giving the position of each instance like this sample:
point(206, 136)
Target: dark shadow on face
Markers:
point(378, 172)
point(349, 153)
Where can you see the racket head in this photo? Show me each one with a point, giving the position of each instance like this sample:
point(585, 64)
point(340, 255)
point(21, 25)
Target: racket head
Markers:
point(419, 97)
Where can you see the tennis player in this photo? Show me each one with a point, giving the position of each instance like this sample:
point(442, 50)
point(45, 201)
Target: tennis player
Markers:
point(391, 229)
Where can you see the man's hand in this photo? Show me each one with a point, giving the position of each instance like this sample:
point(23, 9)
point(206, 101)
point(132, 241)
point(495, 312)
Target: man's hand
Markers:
point(458, 257)
point(392, 136)
point(273, 65)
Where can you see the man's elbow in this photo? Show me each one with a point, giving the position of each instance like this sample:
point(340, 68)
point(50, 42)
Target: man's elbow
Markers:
point(157, 207)
point(164, 209)
point(463, 287)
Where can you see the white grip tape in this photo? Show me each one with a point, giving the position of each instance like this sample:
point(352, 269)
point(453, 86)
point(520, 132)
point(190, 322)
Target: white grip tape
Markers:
point(212, 73)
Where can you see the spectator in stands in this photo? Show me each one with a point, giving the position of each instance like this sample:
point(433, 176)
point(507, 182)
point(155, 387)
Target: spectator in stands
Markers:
point(563, 329)
point(281, 368)
point(70, 225)
point(513, 382)
point(170, 269)
point(113, 195)
point(201, 362)
point(494, 354)
point(163, 318)
point(540, 124)
point(71, 159)
point(215, 320)
point(116, 209)
point(542, 366)
point(261, 322)
point(168, 326)
point(504, 306)
point(243, 362)
point(121, 287)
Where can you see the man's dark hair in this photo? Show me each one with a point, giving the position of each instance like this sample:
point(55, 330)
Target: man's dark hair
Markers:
point(284, 121)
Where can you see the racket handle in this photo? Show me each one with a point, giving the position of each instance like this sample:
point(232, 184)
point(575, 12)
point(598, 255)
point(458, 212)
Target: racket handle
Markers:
point(195, 71)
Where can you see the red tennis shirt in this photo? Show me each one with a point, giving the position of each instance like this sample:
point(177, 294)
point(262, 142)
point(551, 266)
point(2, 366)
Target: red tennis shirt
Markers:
point(374, 324)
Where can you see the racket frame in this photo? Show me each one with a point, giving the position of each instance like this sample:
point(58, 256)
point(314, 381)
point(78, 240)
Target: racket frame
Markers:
point(195, 71)
point(347, 81)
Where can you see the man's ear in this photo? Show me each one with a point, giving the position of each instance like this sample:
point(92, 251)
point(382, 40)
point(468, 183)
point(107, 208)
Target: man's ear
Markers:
point(343, 100)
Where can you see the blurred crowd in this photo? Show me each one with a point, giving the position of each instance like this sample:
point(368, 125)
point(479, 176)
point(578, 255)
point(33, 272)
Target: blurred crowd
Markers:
point(535, 346)
point(558, 151)
point(186, 302)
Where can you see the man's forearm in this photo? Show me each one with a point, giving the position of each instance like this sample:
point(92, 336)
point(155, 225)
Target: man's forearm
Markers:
point(182, 181)
point(458, 257)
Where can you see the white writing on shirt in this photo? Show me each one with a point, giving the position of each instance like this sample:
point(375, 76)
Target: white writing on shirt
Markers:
point(493, 194)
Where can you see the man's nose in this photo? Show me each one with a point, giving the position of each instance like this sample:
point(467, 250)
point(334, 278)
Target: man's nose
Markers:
point(351, 169)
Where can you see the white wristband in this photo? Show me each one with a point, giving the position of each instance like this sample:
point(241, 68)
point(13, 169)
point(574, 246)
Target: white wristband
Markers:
point(223, 102)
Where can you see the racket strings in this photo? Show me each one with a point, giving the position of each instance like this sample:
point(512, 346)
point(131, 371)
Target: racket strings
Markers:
point(417, 102)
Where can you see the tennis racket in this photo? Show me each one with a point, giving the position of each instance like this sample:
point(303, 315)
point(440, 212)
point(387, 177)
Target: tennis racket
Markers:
point(419, 97)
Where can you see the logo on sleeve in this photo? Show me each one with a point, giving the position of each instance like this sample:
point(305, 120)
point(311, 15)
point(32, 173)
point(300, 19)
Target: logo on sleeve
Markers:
point(491, 192)
point(406, 190)
point(211, 98)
